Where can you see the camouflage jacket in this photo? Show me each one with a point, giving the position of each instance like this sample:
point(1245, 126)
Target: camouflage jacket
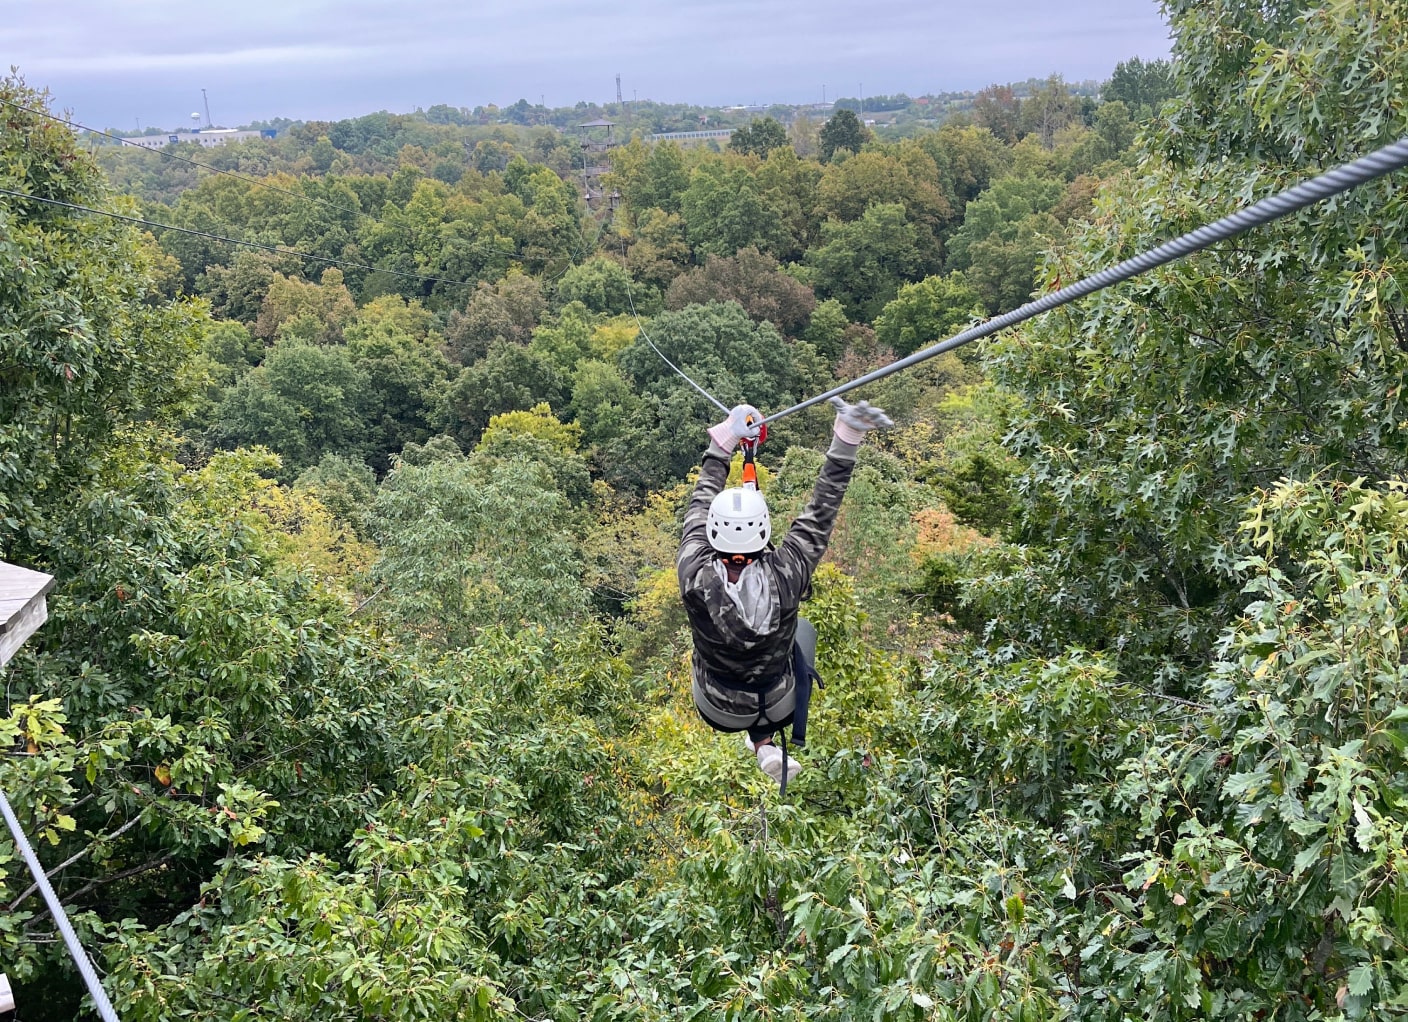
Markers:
point(730, 656)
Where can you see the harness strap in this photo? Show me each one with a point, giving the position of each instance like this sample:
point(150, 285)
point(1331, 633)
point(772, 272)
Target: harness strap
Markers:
point(783, 733)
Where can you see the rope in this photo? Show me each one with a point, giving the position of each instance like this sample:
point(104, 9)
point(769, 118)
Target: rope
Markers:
point(276, 249)
point(1341, 179)
point(75, 949)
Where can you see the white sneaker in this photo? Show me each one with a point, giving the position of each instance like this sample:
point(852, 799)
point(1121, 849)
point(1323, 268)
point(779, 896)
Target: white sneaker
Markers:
point(770, 761)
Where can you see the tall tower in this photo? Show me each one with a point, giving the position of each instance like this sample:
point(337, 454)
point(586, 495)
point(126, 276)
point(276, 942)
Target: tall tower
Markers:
point(619, 101)
point(597, 143)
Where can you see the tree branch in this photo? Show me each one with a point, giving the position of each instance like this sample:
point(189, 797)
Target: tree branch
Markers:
point(74, 858)
point(93, 885)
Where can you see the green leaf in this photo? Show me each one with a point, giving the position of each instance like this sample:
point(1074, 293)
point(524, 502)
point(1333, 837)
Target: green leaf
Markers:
point(840, 953)
point(1360, 980)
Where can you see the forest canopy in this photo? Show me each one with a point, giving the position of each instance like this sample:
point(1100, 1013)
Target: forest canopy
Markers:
point(365, 689)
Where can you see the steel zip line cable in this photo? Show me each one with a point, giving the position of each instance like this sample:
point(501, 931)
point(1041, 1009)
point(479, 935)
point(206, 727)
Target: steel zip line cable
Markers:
point(1351, 175)
point(276, 249)
point(75, 949)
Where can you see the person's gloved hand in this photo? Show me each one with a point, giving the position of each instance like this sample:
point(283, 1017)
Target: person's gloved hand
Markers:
point(854, 421)
point(742, 423)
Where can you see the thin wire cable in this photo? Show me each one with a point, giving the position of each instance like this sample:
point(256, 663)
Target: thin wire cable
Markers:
point(683, 375)
point(193, 163)
point(276, 249)
point(1341, 179)
point(75, 949)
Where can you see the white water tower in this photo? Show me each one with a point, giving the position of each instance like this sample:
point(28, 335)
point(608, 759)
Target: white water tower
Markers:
point(195, 121)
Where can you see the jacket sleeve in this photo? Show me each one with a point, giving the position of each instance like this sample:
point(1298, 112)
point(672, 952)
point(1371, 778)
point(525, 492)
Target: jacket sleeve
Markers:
point(695, 551)
point(810, 533)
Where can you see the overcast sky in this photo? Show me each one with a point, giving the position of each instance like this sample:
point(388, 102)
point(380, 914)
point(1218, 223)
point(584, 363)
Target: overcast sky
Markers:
point(114, 62)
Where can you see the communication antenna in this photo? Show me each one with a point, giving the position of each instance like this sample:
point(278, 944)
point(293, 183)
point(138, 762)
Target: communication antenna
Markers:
point(206, 100)
point(619, 101)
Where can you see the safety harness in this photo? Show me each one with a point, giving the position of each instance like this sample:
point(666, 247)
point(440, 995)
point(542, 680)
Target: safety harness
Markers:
point(803, 672)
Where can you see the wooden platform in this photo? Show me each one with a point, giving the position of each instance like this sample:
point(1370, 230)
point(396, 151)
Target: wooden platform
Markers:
point(23, 607)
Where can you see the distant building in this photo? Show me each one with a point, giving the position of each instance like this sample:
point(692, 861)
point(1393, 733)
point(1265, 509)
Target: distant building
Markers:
point(207, 137)
point(691, 136)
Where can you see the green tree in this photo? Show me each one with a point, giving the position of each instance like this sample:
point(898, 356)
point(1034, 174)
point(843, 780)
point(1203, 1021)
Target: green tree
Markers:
point(1048, 110)
point(968, 159)
point(551, 228)
point(730, 355)
point(863, 263)
point(1115, 126)
point(658, 251)
point(391, 344)
point(603, 404)
point(759, 138)
point(237, 291)
point(789, 186)
point(927, 312)
point(472, 541)
point(305, 401)
point(842, 131)
point(998, 110)
point(751, 279)
point(725, 211)
point(904, 174)
point(827, 329)
point(1153, 455)
point(603, 285)
point(648, 177)
point(509, 378)
point(567, 340)
point(667, 177)
point(1003, 235)
point(804, 136)
point(345, 487)
point(1143, 87)
point(326, 306)
point(84, 358)
point(231, 351)
point(537, 435)
point(507, 310)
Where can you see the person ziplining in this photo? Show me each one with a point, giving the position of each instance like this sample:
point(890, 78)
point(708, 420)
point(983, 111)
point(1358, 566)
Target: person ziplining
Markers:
point(754, 656)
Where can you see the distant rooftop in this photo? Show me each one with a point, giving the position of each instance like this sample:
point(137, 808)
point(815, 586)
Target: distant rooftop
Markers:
point(206, 137)
point(598, 124)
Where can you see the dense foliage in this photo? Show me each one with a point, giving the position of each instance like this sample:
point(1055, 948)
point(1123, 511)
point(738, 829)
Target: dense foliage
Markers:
point(364, 693)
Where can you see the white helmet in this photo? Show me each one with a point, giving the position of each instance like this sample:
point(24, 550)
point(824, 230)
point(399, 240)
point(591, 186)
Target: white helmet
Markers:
point(739, 522)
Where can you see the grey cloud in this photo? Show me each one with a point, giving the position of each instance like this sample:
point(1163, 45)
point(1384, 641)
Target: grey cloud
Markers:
point(111, 61)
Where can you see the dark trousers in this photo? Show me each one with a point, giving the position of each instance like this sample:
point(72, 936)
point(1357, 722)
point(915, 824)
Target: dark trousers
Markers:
point(803, 675)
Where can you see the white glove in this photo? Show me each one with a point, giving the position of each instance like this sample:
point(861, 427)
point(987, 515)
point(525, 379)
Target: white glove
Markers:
point(854, 421)
point(742, 423)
